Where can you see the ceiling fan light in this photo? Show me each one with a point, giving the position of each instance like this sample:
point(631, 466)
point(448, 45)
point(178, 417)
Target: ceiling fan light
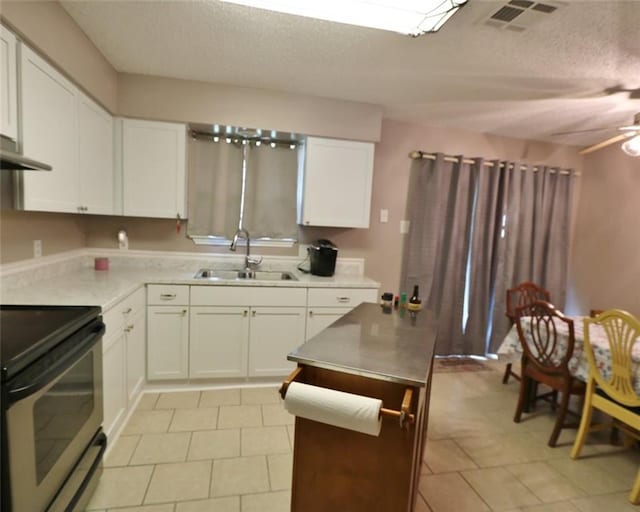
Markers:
point(632, 146)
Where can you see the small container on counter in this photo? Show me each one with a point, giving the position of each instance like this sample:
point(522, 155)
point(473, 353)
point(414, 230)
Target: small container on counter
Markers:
point(387, 300)
point(101, 264)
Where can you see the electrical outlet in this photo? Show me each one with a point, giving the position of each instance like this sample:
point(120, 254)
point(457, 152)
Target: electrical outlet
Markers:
point(404, 227)
point(37, 248)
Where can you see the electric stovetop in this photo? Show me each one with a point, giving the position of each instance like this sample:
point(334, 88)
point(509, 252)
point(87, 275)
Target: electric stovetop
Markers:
point(29, 332)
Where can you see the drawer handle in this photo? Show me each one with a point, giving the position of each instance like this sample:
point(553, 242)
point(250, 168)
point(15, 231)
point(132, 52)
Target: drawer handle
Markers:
point(126, 311)
point(344, 299)
point(128, 328)
point(167, 296)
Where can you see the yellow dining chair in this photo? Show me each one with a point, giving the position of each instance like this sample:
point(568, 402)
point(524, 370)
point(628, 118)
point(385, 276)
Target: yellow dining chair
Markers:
point(616, 395)
point(521, 295)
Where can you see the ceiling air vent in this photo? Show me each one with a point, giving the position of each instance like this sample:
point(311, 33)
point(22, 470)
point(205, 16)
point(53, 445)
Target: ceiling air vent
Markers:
point(520, 15)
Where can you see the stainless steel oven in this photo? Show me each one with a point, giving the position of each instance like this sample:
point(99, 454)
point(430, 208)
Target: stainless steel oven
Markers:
point(52, 443)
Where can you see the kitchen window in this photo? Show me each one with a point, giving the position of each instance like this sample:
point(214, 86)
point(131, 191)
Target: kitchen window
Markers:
point(215, 185)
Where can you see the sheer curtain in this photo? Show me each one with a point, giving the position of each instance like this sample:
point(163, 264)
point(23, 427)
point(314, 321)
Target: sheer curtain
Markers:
point(475, 231)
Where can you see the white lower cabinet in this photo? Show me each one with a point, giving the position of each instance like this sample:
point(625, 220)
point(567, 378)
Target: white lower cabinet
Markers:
point(167, 332)
point(244, 332)
point(319, 319)
point(136, 338)
point(219, 341)
point(113, 379)
point(168, 342)
point(326, 305)
point(273, 333)
point(123, 358)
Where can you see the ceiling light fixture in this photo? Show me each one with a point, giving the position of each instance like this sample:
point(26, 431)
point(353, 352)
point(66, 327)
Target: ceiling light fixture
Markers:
point(411, 17)
point(632, 146)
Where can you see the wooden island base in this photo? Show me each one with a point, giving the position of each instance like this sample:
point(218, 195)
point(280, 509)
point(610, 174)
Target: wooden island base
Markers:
point(335, 469)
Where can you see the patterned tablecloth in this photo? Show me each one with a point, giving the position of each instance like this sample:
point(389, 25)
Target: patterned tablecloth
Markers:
point(578, 364)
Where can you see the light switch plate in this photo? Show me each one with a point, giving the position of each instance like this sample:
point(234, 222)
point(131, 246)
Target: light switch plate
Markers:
point(384, 215)
point(404, 227)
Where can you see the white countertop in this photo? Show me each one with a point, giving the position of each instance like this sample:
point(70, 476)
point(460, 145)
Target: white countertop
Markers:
point(82, 285)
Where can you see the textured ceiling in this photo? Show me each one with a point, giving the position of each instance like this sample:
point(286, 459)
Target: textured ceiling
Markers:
point(548, 78)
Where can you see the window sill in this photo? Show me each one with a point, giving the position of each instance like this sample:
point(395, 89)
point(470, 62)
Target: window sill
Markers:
point(257, 242)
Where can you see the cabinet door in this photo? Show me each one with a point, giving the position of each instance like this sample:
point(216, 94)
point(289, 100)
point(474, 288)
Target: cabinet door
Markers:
point(273, 333)
point(153, 169)
point(319, 319)
point(114, 392)
point(336, 183)
point(218, 342)
point(136, 336)
point(95, 157)
point(167, 342)
point(50, 135)
point(8, 84)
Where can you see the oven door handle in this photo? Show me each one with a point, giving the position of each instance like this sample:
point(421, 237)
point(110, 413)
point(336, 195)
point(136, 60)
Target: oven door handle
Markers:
point(38, 376)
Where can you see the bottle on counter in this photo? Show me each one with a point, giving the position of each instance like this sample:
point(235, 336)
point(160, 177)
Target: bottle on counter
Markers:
point(415, 303)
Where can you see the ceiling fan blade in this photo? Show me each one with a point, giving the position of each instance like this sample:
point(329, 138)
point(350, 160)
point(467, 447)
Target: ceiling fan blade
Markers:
point(605, 143)
point(584, 131)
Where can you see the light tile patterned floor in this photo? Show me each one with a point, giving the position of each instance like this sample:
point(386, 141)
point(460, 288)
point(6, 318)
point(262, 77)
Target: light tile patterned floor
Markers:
point(230, 451)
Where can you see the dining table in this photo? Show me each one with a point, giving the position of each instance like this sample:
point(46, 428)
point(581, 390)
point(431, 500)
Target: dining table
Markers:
point(511, 349)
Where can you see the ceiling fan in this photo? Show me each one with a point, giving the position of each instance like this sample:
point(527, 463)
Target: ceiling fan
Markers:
point(629, 133)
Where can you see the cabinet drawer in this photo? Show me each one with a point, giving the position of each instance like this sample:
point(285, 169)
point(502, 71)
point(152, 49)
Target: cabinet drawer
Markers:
point(247, 296)
point(133, 303)
point(167, 295)
point(341, 297)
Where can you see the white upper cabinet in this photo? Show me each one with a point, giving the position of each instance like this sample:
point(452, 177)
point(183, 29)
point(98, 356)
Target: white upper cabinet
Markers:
point(153, 169)
point(67, 130)
point(8, 84)
point(50, 135)
point(336, 183)
point(95, 157)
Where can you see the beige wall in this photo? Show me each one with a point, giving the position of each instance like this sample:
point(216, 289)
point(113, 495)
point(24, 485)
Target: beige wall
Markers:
point(169, 99)
point(58, 231)
point(47, 27)
point(605, 269)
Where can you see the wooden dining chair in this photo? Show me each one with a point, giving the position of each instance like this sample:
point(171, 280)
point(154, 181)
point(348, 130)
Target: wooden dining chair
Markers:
point(614, 395)
point(523, 294)
point(547, 338)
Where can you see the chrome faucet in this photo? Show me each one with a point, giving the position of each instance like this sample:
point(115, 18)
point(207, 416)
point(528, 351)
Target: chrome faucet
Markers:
point(248, 260)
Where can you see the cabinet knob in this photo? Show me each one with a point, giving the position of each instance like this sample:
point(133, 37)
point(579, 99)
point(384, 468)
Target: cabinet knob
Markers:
point(310, 313)
point(128, 328)
point(126, 311)
point(245, 312)
point(253, 313)
point(184, 312)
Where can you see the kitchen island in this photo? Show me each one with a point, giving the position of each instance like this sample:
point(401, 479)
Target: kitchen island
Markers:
point(372, 353)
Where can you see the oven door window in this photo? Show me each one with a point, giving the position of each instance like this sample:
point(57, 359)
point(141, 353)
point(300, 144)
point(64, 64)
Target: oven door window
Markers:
point(61, 412)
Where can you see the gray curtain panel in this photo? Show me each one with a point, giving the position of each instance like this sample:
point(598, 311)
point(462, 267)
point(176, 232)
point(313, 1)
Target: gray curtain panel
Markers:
point(440, 207)
point(475, 232)
point(536, 242)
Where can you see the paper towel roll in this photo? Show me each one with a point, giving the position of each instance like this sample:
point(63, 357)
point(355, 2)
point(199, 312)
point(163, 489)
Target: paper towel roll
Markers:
point(337, 408)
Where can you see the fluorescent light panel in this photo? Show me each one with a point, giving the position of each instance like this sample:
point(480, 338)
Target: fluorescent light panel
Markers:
point(412, 17)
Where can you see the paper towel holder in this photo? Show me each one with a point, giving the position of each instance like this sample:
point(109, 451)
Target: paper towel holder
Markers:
point(404, 416)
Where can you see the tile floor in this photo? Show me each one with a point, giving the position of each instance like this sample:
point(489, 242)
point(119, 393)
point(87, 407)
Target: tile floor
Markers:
point(231, 451)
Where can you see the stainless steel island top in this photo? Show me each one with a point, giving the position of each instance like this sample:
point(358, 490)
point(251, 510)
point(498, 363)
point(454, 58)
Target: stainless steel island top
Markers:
point(393, 346)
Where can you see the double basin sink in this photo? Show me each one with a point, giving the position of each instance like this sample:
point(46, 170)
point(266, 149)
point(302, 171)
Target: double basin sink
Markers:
point(232, 275)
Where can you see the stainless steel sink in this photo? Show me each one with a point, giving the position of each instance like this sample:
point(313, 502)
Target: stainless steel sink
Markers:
point(231, 275)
